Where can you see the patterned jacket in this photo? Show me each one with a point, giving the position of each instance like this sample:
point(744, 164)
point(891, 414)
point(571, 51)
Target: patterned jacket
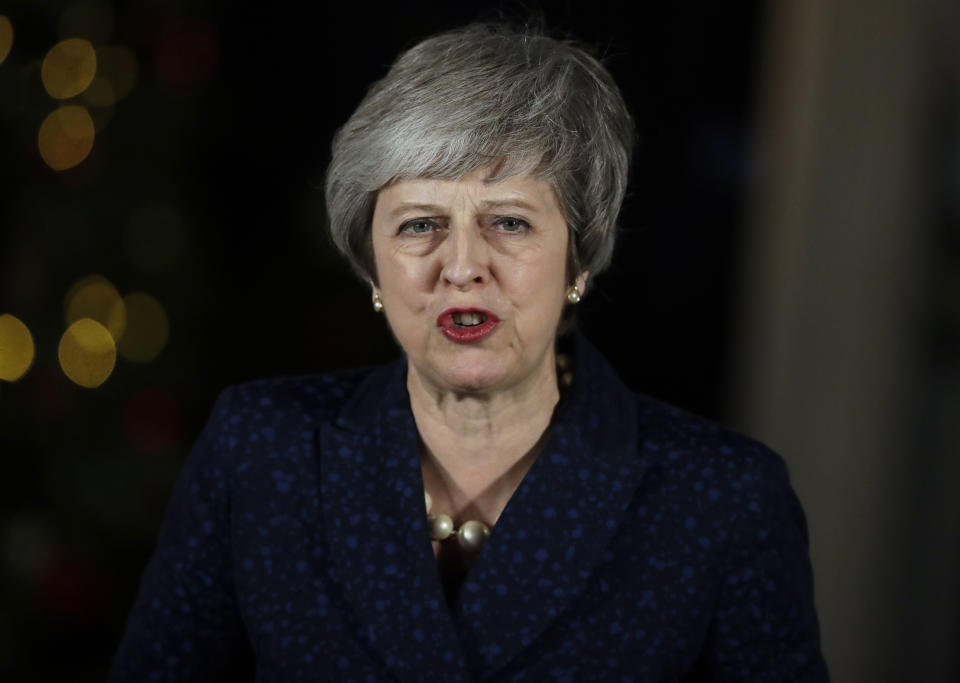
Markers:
point(644, 544)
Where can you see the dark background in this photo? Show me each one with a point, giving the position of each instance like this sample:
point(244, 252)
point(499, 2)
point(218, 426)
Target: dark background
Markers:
point(229, 124)
point(235, 136)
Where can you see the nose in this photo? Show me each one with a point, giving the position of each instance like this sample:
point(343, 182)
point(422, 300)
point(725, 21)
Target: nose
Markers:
point(465, 258)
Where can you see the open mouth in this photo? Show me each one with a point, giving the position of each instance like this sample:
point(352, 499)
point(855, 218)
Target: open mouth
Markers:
point(464, 319)
point(467, 325)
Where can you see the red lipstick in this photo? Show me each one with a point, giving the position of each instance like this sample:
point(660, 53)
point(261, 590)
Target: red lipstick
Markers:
point(465, 325)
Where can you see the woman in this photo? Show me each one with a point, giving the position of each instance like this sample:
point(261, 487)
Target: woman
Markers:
point(579, 531)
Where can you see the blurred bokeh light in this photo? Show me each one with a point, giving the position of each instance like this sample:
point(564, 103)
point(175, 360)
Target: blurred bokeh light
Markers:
point(16, 348)
point(95, 297)
point(766, 177)
point(87, 353)
point(66, 137)
point(116, 75)
point(147, 328)
point(69, 68)
point(153, 236)
point(6, 37)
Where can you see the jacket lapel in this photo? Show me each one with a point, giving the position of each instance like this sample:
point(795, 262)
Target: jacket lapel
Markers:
point(554, 529)
point(375, 519)
point(545, 544)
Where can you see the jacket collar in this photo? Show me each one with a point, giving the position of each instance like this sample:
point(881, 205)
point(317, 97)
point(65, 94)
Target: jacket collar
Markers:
point(546, 542)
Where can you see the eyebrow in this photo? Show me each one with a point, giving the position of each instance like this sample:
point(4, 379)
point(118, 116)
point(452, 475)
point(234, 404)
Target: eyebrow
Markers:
point(513, 202)
point(486, 205)
point(429, 209)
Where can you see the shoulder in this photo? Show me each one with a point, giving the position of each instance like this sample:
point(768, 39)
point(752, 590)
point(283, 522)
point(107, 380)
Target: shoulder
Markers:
point(713, 469)
point(306, 399)
point(273, 419)
point(732, 515)
point(258, 448)
point(697, 463)
point(681, 435)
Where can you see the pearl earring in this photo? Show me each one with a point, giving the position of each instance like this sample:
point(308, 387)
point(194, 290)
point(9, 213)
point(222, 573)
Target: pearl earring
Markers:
point(377, 304)
point(573, 294)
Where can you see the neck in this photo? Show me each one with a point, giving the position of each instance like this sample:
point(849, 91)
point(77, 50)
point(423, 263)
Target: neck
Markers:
point(478, 447)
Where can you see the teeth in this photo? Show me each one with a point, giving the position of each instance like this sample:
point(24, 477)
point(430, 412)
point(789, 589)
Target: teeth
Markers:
point(468, 319)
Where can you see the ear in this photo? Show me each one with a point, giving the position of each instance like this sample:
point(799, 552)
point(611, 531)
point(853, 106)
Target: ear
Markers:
point(374, 292)
point(581, 282)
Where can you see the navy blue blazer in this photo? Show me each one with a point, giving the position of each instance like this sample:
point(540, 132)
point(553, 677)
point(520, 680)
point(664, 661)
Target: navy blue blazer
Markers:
point(644, 544)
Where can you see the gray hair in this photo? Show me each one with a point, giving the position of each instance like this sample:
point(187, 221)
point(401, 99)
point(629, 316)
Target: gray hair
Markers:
point(488, 95)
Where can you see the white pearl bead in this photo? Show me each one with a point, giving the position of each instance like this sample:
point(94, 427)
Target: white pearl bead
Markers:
point(441, 526)
point(472, 535)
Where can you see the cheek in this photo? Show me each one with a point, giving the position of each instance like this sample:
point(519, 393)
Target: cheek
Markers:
point(409, 278)
point(405, 281)
point(539, 288)
point(551, 271)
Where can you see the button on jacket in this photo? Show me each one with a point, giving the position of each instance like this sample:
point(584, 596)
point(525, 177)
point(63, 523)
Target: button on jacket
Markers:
point(644, 544)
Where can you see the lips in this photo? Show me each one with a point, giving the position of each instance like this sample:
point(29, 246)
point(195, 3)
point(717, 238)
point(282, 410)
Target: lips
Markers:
point(466, 325)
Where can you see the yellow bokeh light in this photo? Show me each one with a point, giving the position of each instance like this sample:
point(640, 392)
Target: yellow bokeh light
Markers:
point(16, 348)
point(69, 68)
point(66, 137)
point(116, 75)
point(6, 37)
point(87, 353)
point(147, 328)
point(96, 298)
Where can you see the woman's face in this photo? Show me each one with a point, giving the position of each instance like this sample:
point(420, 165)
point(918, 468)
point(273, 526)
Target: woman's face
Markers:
point(473, 278)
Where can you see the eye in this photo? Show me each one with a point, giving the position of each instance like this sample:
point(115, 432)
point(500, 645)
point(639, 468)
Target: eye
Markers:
point(418, 226)
point(511, 224)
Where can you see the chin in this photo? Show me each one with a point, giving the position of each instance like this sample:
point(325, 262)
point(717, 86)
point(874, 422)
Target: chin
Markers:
point(471, 380)
point(472, 374)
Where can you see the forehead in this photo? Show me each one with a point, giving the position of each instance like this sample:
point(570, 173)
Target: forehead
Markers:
point(525, 190)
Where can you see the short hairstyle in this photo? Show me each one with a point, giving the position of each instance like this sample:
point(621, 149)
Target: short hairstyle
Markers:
point(488, 95)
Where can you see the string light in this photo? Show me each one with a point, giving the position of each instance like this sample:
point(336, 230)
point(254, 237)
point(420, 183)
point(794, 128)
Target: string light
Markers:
point(87, 353)
point(16, 348)
point(66, 137)
point(68, 68)
point(6, 37)
point(117, 71)
point(96, 298)
point(147, 328)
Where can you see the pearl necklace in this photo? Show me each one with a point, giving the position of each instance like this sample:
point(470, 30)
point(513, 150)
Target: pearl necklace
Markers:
point(471, 535)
